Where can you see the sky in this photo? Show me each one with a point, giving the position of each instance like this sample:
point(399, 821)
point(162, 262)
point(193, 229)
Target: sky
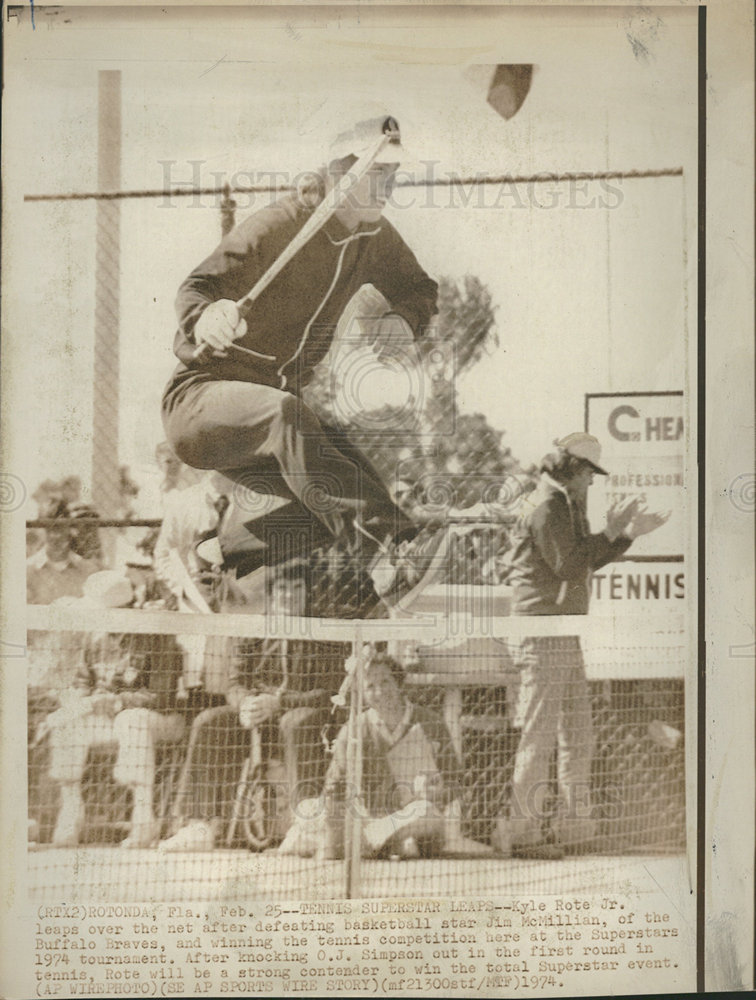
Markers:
point(591, 282)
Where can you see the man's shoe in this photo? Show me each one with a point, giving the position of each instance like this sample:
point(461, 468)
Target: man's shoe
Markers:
point(143, 834)
point(195, 836)
point(330, 852)
point(540, 851)
point(401, 564)
point(409, 849)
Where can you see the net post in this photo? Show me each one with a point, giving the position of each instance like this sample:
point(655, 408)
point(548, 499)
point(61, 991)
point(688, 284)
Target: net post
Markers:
point(105, 474)
point(353, 817)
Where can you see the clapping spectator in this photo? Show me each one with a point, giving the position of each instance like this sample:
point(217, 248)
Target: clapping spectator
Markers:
point(552, 563)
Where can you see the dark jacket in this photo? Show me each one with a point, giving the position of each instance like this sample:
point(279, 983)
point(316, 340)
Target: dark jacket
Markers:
point(291, 325)
point(306, 673)
point(555, 554)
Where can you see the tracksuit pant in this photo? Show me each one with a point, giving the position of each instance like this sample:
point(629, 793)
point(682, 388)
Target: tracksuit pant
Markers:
point(270, 441)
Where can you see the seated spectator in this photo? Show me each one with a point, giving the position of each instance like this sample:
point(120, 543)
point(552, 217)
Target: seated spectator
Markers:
point(288, 683)
point(121, 696)
point(57, 570)
point(281, 686)
point(410, 772)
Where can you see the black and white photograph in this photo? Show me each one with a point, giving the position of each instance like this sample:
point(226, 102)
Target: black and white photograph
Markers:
point(354, 425)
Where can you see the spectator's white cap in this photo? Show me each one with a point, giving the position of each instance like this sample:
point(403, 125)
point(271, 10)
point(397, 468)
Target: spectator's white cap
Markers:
point(584, 446)
point(107, 589)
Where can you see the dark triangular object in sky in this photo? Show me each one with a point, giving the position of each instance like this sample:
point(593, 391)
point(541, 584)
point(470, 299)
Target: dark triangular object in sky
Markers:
point(509, 87)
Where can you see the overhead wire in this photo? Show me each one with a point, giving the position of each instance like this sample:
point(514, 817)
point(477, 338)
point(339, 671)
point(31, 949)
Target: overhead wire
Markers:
point(449, 181)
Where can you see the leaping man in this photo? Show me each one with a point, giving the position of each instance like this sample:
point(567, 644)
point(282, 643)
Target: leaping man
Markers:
point(234, 403)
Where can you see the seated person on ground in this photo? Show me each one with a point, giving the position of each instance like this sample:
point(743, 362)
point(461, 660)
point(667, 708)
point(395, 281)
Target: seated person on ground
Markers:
point(281, 686)
point(123, 694)
point(410, 774)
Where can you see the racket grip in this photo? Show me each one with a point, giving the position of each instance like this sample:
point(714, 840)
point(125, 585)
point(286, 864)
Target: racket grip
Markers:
point(202, 352)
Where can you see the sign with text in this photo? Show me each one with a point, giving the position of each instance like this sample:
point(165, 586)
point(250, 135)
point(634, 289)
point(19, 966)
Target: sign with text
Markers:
point(642, 448)
point(632, 584)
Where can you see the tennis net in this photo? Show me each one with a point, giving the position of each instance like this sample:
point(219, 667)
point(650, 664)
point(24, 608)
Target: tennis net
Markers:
point(154, 772)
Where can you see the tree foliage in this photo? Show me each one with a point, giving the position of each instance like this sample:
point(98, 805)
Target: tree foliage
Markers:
point(435, 448)
point(466, 320)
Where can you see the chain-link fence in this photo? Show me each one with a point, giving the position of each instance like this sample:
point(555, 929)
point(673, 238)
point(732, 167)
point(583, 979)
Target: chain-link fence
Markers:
point(254, 759)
